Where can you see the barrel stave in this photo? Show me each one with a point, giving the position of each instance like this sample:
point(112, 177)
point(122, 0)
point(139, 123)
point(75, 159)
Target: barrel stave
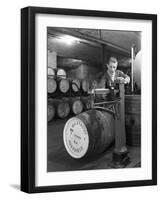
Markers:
point(93, 132)
point(106, 122)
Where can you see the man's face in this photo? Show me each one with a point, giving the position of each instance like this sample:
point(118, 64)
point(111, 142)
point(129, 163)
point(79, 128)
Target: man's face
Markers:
point(112, 65)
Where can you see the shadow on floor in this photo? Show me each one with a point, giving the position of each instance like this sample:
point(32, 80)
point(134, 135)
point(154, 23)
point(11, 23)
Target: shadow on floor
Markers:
point(15, 186)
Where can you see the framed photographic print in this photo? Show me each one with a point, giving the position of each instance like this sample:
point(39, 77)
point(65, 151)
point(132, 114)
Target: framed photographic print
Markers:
point(88, 99)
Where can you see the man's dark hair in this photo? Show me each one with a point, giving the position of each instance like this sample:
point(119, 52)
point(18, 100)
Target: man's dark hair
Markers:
point(112, 58)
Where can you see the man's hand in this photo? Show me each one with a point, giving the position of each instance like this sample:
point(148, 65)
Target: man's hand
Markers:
point(121, 80)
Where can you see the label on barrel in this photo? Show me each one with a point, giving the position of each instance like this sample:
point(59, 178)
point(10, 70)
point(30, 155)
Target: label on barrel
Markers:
point(76, 139)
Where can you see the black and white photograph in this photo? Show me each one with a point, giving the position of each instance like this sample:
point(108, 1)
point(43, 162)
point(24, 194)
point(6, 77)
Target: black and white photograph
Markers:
point(94, 99)
point(89, 91)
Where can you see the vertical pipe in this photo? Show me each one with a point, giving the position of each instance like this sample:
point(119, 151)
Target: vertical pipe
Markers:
point(132, 68)
point(103, 57)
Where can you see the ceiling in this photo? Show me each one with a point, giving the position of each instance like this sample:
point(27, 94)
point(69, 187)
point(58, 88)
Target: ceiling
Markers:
point(123, 39)
point(119, 41)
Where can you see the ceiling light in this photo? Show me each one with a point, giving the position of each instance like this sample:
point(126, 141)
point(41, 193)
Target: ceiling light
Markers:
point(69, 39)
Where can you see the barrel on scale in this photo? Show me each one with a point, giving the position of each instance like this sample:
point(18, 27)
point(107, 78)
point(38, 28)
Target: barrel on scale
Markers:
point(88, 134)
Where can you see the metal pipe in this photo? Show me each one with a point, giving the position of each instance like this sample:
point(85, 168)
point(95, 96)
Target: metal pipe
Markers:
point(132, 68)
point(104, 109)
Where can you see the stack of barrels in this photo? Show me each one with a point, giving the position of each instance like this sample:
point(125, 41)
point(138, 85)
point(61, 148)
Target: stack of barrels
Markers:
point(57, 83)
point(66, 96)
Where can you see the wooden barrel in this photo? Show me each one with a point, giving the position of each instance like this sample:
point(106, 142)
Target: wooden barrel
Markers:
point(137, 69)
point(64, 85)
point(51, 85)
point(75, 85)
point(51, 111)
point(85, 86)
point(76, 106)
point(62, 108)
point(88, 134)
point(51, 72)
point(133, 119)
point(61, 73)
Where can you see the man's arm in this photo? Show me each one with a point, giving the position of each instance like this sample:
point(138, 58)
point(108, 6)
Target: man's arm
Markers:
point(102, 82)
point(123, 78)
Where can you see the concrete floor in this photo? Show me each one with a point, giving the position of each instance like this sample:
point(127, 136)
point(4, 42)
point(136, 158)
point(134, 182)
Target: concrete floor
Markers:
point(59, 160)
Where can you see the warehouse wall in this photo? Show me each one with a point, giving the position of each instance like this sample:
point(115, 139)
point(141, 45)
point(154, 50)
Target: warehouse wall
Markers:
point(85, 71)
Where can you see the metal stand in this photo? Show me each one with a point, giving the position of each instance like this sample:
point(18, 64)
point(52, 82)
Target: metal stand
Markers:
point(116, 108)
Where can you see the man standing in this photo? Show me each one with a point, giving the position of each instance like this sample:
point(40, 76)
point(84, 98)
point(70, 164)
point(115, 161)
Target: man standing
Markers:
point(112, 75)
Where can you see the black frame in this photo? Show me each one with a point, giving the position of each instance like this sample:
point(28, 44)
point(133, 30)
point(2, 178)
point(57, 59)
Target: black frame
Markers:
point(28, 98)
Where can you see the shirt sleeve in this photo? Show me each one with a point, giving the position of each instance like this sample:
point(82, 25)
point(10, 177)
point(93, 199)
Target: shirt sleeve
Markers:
point(102, 82)
point(125, 76)
point(121, 74)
